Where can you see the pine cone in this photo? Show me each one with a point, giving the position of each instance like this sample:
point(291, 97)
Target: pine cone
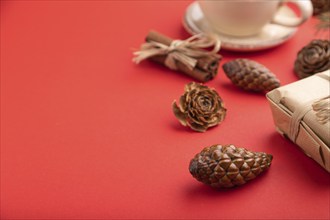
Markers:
point(250, 75)
point(200, 107)
point(227, 166)
point(320, 6)
point(313, 58)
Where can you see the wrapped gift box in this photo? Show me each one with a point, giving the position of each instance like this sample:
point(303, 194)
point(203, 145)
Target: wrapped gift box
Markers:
point(301, 113)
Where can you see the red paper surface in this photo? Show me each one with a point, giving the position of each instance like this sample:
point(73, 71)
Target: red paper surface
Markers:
point(85, 133)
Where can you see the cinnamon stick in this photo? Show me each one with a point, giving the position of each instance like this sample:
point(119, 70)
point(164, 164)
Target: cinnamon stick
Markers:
point(205, 69)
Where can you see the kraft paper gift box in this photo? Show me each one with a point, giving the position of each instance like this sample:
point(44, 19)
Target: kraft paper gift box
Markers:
point(301, 113)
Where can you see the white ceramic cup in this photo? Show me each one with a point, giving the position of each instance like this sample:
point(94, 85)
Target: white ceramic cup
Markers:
point(248, 17)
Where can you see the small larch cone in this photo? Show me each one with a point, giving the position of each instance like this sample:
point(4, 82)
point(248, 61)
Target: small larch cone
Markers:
point(320, 6)
point(250, 75)
point(225, 166)
point(313, 58)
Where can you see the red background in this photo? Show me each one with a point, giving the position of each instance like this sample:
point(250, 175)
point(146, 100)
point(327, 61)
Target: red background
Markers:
point(85, 133)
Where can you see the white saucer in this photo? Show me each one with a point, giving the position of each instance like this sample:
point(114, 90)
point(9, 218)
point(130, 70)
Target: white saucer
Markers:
point(271, 35)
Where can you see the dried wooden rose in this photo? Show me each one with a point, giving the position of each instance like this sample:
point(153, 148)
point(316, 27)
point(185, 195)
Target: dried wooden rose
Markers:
point(200, 107)
point(313, 58)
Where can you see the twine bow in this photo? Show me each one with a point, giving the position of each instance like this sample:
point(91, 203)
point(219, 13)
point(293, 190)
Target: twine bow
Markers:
point(183, 51)
point(322, 109)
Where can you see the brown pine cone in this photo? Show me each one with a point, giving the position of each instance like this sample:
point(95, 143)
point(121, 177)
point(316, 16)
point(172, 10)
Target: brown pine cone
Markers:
point(313, 58)
point(250, 75)
point(227, 166)
point(200, 107)
point(320, 6)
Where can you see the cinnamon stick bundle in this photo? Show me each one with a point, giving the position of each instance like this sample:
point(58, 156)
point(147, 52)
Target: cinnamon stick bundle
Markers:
point(206, 67)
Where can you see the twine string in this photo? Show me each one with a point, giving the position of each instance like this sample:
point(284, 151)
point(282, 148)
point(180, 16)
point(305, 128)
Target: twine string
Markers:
point(322, 109)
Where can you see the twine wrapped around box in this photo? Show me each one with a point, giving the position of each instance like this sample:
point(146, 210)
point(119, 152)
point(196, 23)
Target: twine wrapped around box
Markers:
point(301, 112)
